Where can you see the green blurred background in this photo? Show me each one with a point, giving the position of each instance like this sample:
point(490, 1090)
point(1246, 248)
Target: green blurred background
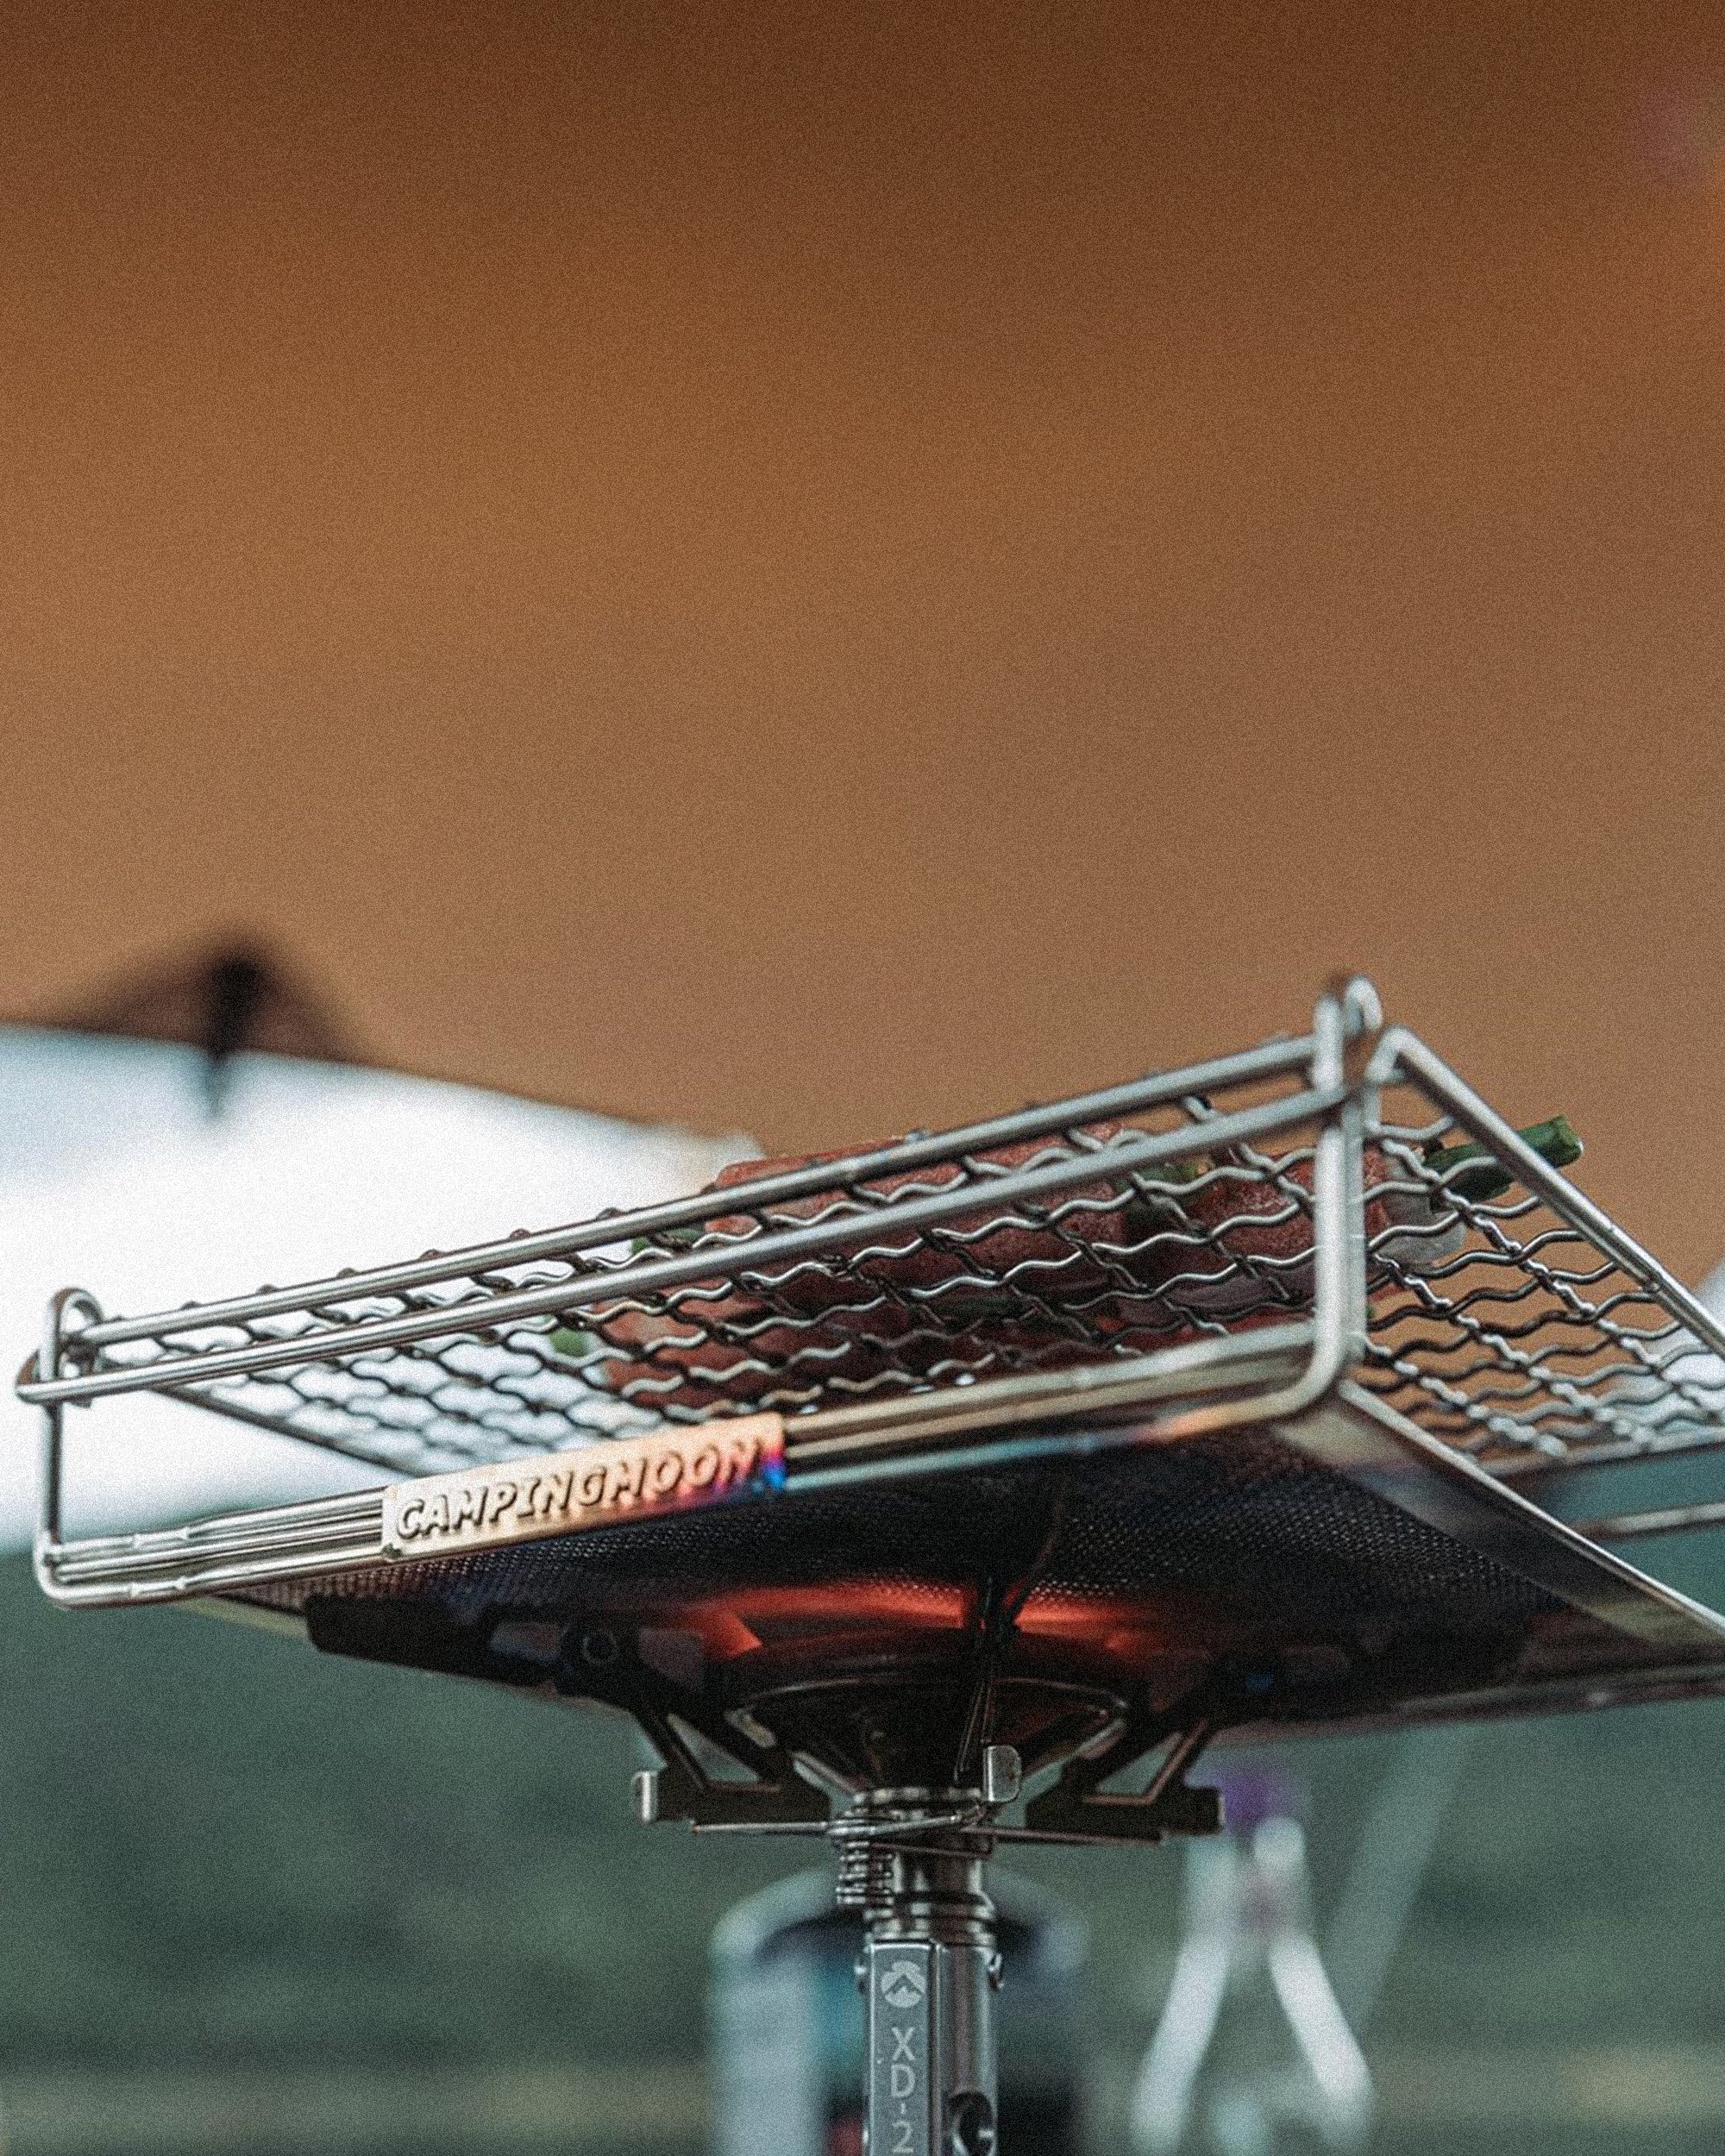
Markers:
point(256, 1900)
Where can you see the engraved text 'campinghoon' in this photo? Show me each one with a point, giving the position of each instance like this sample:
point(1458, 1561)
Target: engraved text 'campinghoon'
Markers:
point(601, 1485)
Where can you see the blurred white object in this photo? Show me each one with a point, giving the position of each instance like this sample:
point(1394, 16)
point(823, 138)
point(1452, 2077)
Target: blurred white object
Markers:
point(113, 1173)
point(1390, 1861)
point(1252, 2053)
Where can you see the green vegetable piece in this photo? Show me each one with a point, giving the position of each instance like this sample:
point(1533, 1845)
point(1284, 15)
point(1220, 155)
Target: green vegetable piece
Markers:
point(668, 1240)
point(1554, 1141)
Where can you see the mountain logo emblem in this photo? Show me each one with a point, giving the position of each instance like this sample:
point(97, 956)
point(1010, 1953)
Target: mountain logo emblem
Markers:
point(902, 1984)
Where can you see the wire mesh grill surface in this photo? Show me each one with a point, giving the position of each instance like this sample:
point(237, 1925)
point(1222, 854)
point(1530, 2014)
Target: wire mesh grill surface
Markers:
point(1518, 1338)
point(1151, 1216)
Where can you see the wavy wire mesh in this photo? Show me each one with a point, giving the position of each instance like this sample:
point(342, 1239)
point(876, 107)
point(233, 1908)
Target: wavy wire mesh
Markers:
point(1518, 1339)
point(1494, 1324)
point(1129, 1261)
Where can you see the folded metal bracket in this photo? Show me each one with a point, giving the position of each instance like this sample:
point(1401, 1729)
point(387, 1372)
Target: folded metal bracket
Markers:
point(1077, 1805)
point(681, 1790)
point(607, 1666)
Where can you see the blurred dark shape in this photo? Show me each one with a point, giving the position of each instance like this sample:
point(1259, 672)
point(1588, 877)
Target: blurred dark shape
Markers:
point(786, 2023)
point(234, 997)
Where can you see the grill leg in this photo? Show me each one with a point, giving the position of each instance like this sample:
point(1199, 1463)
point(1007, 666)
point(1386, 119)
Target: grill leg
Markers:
point(930, 1971)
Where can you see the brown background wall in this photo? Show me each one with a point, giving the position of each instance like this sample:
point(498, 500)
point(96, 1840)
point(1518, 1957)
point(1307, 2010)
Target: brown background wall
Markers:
point(824, 568)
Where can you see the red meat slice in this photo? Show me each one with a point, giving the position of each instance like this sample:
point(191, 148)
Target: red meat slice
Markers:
point(1137, 1269)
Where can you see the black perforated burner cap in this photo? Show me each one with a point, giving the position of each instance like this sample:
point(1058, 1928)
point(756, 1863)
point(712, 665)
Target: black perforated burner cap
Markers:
point(853, 1624)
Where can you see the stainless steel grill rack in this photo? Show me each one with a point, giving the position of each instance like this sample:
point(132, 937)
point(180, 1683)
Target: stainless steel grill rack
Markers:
point(1190, 1211)
point(1028, 1451)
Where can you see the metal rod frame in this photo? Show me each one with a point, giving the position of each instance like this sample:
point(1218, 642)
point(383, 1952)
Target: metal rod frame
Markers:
point(1334, 1077)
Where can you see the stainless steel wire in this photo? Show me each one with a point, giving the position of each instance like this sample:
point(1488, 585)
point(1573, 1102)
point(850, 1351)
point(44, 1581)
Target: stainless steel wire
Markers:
point(1502, 1316)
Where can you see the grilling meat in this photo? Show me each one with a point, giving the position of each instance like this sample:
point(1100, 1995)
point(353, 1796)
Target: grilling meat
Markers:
point(1113, 1266)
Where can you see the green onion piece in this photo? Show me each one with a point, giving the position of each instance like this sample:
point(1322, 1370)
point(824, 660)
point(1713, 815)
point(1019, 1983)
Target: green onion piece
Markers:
point(1554, 1141)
